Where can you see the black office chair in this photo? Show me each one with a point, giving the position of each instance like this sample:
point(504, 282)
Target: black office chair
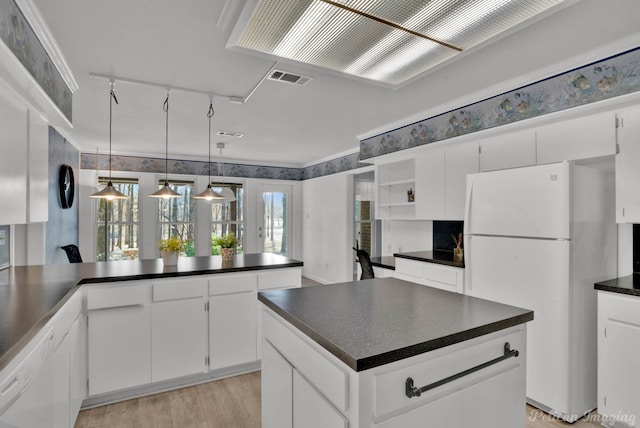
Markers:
point(73, 253)
point(365, 264)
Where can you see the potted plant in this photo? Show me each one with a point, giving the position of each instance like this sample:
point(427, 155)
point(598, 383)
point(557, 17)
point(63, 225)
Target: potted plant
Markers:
point(227, 244)
point(170, 249)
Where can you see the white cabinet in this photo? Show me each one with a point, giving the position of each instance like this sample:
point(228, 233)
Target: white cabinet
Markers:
point(460, 160)
point(581, 138)
point(232, 320)
point(78, 368)
point(393, 181)
point(472, 406)
point(38, 168)
point(274, 280)
point(119, 337)
point(432, 274)
point(311, 409)
point(627, 167)
point(511, 150)
point(277, 393)
point(178, 328)
point(470, 382)
point(61, 373)
point(430, 185)
point(618, 350)
point(13, 161)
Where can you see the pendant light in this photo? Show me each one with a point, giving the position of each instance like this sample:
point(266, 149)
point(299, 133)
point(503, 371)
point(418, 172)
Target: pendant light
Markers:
point(209, 194)
point(226, 192)
point(109, 192)
point(165, 192)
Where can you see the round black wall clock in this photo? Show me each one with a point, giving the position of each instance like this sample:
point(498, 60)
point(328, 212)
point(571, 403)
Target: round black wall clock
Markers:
point(66, 186)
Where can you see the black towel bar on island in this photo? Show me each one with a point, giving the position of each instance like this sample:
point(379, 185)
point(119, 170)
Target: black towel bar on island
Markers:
point(412, 391)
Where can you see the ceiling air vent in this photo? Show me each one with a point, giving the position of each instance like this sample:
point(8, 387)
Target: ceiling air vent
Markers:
point(230, 134)
point(283, 76)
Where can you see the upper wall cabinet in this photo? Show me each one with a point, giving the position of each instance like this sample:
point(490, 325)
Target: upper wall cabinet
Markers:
point(395, 182)
point(459, 161)
point(13, 160)
point(430, 185)
point(511, 150)
point(38, 176)
point(581, 138)
point(628, 167)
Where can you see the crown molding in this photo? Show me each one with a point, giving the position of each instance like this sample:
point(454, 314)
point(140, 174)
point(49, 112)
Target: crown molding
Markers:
point(43, 33)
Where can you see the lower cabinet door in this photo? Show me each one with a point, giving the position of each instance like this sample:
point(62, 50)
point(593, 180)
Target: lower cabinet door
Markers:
point(232, 329)
point(119, 348)
point(178, 338)
point(61, 387)
point(311, 409)
point(277, 389)
point(78, 368)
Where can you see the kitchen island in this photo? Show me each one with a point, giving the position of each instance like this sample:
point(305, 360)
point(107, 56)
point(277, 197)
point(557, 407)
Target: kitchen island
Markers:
point(389, 353)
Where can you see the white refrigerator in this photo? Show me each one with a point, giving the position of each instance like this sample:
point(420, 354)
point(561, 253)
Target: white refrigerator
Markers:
point(538, 238)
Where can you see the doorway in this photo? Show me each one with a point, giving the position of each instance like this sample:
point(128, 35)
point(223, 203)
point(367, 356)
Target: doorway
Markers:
point(274, 219)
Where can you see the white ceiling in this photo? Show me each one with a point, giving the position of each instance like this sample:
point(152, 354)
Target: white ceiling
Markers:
point(177, 43)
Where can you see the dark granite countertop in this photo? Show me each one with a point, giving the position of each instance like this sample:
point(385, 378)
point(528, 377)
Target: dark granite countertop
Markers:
point(629, 284)
point(378, 321)
point(31, 295)
point(439, 257)
point(385, 262)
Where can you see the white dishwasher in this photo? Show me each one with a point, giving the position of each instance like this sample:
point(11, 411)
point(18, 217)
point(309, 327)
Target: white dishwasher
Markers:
point(26, 394)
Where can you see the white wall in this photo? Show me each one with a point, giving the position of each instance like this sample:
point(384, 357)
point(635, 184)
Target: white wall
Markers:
point(327, 233)
point(405, 236)
point(625, 249)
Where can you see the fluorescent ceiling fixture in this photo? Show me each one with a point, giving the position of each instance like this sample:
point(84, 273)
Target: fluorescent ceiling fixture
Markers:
point(386, 41)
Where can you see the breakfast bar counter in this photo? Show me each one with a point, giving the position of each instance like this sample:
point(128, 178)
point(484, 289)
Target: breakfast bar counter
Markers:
point(31, 295)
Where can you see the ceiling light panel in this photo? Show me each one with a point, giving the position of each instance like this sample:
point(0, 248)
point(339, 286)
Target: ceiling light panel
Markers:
point(326, 35)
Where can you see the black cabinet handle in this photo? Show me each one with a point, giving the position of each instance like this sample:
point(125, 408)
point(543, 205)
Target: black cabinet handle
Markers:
point(412, 391)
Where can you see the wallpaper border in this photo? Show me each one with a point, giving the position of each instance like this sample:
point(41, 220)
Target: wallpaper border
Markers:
point(607, 78)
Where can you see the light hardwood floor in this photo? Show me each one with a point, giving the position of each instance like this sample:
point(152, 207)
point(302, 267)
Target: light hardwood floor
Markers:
point(228, 403)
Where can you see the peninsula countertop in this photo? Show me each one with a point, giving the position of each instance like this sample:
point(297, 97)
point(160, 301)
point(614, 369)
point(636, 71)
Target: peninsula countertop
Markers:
point(629, 284)
point(374, 322)
point(438, 257)
point(31, 295)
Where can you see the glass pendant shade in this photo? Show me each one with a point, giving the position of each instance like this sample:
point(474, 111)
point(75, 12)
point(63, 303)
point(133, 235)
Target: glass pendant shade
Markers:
point(165, 192)
point(227, 194)
point(109, 193)
point(209, 194)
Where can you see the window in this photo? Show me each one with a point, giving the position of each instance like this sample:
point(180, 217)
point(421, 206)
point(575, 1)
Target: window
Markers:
point(228, 217)
point(118, 222)
point(176, 216)
point(367, 228)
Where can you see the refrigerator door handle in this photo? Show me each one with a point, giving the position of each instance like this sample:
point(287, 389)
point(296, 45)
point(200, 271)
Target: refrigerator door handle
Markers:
point(467, 237)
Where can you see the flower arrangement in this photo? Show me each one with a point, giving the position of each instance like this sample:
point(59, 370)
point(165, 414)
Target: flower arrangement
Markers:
point(227, 244)
point(173, 244)
point(226, 241)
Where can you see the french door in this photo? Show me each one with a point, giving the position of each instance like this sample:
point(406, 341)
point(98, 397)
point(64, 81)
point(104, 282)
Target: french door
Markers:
point(274, 219)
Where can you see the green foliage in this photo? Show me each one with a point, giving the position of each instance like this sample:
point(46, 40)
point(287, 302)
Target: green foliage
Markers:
point(172, 244)
point(225, 241)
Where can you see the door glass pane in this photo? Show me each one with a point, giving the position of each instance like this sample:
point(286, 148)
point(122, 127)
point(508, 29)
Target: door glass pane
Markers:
point(275, 222)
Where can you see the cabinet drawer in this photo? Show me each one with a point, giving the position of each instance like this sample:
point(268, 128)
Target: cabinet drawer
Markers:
point(232, 283)
point(326, 376)
point(179, 289)
point(63, 320)
point(440, 274)
point(434, 366)
point(279, 278)
point(117, 296)
point(409, 267)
